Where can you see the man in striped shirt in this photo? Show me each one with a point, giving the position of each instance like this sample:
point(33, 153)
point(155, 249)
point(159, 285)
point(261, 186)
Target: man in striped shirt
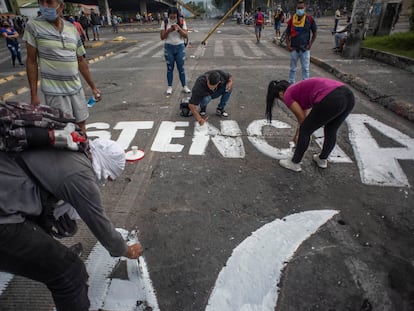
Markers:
point(55, 49)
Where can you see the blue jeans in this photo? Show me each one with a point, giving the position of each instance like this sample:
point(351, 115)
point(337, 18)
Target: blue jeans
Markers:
point(221, 91)
point(14, 49)
point(175, 54)
point(304, 57)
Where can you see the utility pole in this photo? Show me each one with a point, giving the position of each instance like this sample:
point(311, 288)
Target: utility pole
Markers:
point(360, 20)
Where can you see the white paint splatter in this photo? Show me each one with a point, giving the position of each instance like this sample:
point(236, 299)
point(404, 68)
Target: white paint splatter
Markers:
point(249, 280)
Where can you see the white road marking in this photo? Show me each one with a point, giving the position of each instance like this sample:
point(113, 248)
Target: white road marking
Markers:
point(337, 155)
point(150, 49)
point(5, 279)
point(379, 166)
point(218, 48)
point(250, 277)
point(118, 294)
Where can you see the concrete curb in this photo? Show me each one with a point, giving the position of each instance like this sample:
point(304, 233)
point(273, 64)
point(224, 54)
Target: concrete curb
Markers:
point(401, 108)
point(389, 58)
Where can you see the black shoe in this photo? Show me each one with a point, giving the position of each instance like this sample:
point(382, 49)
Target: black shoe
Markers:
point(203, 112)
point(221, 113)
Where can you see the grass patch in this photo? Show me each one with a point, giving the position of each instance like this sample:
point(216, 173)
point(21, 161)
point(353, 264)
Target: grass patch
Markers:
point(401, 43)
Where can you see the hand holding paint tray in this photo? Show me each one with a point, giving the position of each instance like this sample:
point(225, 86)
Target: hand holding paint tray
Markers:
point(134, 154)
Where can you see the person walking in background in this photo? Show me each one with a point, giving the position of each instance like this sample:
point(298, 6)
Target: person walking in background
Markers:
point(84, 21)
point(300, 35)
point(114, 22)
point(258, 23)
point(55, 49)
point(278, 19)
point(78, 27)
point(95, 22)
point(174, 31)
point(208, 86)
point(12, 42)
point(337, 17)
point(316, 103)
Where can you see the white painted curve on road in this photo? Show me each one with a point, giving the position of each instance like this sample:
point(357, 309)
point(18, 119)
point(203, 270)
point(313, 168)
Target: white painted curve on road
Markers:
point(249, 279)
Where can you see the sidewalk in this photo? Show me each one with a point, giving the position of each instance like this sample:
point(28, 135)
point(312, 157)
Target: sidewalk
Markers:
point(386, 85)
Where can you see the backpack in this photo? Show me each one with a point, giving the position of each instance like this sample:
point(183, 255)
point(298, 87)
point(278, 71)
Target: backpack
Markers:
point(260, 19)
point(184, 109)
point(24, 126)
point(180, 23)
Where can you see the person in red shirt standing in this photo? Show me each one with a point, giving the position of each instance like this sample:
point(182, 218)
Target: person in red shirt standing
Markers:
point(79, 28)
point(258, 23)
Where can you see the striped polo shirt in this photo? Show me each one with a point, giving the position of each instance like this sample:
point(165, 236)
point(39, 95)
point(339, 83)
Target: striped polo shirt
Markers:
point(57, 55)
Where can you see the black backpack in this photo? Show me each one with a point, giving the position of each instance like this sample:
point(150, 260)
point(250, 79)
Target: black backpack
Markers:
point(184, 109)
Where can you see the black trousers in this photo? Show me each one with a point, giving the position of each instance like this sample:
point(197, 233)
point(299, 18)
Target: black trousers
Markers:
point(331, 112)
point(26, 250)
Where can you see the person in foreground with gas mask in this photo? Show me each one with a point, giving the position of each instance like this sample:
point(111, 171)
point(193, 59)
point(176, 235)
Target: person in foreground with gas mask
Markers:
point(301, 33)
point(26, 249)
point(55, 48)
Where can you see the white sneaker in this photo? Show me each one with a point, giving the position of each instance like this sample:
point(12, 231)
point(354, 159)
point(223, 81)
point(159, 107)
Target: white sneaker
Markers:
point(322, 163)
point(186, 89)
point(287, 163)
point(169, 90)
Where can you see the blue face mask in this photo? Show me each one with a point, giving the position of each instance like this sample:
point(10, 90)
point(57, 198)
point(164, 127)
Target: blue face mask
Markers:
point(300, 12)
point(50, 14)
point(72, 20)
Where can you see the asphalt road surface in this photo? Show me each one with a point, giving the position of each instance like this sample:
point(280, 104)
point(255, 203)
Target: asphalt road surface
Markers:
point(224, 227)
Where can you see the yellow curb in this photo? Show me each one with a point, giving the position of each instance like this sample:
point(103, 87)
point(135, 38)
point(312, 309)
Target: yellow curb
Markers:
point(21, 73)
point(7, 95)
point(3, 81)
point(22, 90)
point(101, 57)
point(109, 54)
point(9, 78)
point(91, 61)
point(120, 38)
point(95, 44)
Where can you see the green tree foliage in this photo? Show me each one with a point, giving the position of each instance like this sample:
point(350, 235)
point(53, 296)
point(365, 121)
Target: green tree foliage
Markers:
point(197, 7)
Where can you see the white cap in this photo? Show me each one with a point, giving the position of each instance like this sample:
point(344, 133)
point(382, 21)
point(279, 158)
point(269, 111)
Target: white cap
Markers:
point(108, 158)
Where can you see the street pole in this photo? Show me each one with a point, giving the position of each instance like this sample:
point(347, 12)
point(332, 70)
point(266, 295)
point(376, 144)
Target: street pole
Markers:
point(360, 21)
point(234, 7)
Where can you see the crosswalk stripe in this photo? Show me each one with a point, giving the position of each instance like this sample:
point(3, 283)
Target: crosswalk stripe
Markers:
point(148, 50)
point(237, 50)
point(218, 48)
point(134, 49)
point(255, 48)
point(246, 49)
point(201, 49)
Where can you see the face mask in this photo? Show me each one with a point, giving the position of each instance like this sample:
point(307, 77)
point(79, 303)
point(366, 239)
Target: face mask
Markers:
point(50, 14)
point(300, 12)
point(71, 20)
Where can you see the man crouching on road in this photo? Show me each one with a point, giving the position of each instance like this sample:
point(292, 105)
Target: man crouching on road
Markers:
point(208, 86)
point(25, 247)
